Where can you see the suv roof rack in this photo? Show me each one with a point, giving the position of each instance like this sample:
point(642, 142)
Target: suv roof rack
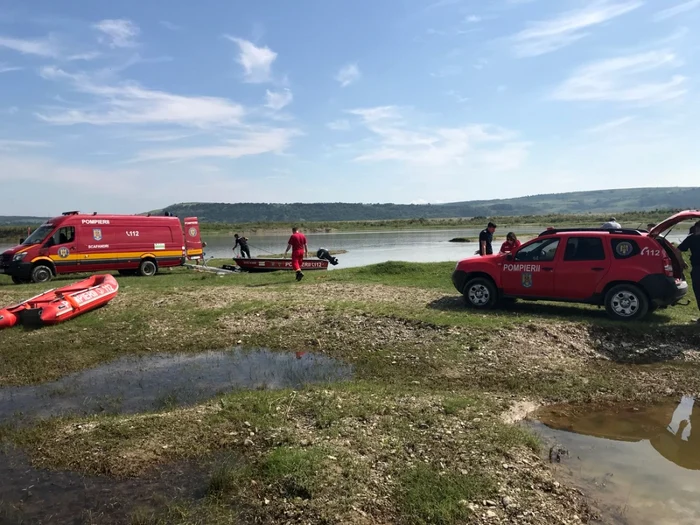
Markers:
point(70, 213)
point(623, 231)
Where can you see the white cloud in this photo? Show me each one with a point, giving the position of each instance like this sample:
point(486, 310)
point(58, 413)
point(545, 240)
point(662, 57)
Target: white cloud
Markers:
point(256, 61)
point(170, 25)
point(43, 48)
point(8, 145)
point(677, 9)
point(473, 19)
point(339, 125)
point(119, 33)
point(621, 79)
point(348, 74)
point(5, 68)
point(129, 103)
point(472, 146)
point(550, 35)
point(258, 142)
point(612, 124)
point(278, 99)
point(92, 55)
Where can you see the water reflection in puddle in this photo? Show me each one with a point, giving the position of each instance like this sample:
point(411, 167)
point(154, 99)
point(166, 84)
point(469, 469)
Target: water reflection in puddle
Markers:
point(641, 464)
point(132, 384)
point(38, 496)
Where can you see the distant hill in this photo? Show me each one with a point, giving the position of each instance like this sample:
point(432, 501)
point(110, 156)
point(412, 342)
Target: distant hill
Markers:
point(577, 203)
point(602, 201)
point(11, 220)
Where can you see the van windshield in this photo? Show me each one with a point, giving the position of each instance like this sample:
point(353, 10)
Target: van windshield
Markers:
point(39, 235)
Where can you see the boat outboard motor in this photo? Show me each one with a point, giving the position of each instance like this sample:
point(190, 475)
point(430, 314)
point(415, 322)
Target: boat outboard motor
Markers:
point(325, 255)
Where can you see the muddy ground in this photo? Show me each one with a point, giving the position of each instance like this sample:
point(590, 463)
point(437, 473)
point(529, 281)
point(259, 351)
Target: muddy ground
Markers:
point(425, 430)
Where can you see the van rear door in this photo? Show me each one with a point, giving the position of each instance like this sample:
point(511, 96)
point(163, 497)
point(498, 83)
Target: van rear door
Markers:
point(193, 239)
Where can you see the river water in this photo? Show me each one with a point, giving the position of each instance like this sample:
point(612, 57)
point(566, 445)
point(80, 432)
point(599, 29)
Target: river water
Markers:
point(373, 247)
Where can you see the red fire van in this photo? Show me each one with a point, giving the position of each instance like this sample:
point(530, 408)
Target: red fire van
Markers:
point(76, 242)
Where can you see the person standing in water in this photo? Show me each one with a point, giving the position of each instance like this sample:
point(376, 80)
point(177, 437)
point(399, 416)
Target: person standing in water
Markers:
point(243, 243)
point(297, 243)
point(692, 243)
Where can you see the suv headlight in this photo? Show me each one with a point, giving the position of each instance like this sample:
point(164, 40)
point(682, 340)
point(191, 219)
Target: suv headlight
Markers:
point(19, 256)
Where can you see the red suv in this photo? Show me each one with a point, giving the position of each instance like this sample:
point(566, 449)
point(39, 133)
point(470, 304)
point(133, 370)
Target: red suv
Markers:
point(630, 272)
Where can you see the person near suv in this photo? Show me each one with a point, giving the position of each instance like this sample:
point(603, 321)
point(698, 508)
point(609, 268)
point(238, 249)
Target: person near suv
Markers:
point(485, 239)
point(692, 244)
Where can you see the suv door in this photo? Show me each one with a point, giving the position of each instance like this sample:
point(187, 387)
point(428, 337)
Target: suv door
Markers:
point(583, 265)
point(530, 272)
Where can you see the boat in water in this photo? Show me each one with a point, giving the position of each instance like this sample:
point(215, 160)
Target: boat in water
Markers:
point(61, 304)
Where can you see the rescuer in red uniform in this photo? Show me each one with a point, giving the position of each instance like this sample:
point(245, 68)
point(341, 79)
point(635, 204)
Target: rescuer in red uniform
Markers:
point(297, 243)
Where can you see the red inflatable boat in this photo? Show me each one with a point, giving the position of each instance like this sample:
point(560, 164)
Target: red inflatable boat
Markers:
point(61, 304)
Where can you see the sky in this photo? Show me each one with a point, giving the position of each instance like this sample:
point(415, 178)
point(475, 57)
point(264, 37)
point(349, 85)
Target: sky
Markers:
point(129, 106)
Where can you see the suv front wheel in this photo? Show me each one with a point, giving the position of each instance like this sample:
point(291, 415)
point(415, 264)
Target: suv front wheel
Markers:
point(626, 302)
point(481, 293)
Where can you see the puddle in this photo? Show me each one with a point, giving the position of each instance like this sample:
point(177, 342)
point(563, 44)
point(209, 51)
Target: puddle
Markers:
point(640, 465)
point(132, 384)
point(38, 496)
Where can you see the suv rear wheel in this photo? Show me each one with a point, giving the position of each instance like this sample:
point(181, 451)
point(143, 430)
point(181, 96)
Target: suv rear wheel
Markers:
point(626, 302)
point(481, 293)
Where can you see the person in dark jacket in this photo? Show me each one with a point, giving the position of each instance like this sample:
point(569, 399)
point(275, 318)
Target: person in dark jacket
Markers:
point(242, 242)
point(692, 244)
point(486, 238)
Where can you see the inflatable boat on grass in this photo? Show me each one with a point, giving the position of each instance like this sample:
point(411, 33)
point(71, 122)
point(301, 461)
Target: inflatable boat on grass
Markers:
point(61, 304)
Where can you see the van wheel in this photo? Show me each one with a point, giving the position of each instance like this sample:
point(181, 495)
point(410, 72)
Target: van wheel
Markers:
point(480, 293)
point(626, 302)
point(18, 280)
point(147, 268)
point(41, 274)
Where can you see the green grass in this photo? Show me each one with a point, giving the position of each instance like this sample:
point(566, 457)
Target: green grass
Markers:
point(413, 437)
point(226, 479)
point(293, 471)
point(426, 495)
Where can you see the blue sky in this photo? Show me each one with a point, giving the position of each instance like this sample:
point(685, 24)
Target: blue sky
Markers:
point(129, 106)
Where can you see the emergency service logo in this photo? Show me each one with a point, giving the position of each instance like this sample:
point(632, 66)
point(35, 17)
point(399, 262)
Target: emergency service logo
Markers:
point(526, 279)
point(193, 232)
point(97, 234)
point(624, 248)
point(63, 252)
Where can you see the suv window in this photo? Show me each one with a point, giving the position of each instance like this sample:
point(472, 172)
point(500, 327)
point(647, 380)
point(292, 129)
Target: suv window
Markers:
point(584, 249)
point(543, 250)
point(624, 248)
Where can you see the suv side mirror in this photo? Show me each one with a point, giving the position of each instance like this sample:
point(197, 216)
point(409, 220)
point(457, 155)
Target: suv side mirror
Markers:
point(509, 257)
point(21, 240)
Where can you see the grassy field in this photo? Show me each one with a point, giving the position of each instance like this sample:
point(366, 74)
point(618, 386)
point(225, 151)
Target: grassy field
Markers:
point(417, 435)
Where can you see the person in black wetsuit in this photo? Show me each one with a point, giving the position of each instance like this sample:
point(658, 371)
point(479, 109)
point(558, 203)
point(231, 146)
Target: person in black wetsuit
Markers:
point(485, 239)
point(692, 243)
point(243, 243)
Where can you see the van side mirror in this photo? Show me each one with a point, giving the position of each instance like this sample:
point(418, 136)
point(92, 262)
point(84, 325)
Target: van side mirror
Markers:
point(509, 257)
point(21, 240)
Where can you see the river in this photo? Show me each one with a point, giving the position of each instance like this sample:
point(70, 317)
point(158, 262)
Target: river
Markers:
point(372, 247)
